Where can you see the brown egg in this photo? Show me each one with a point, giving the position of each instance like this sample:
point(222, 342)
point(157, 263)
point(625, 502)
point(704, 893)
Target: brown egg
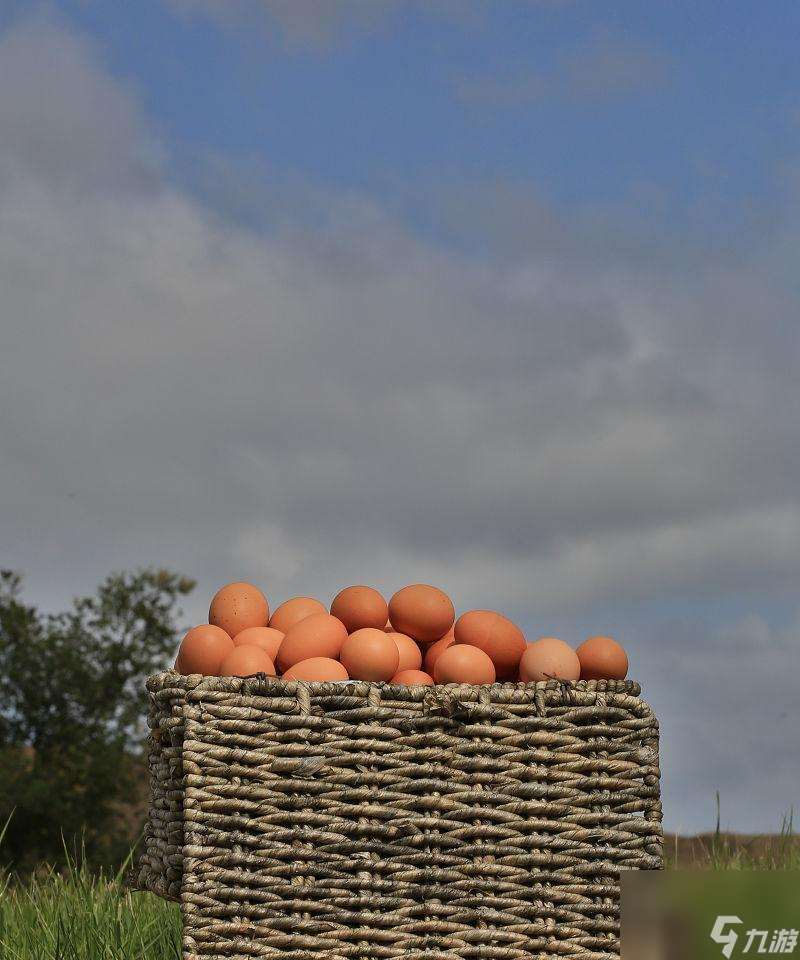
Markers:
point(435, 649)
point(413, 678)
point(293, 611)
point(462, 663)
point(265, 637)
point(245, 660)
point(410, 653)
point(426, 645)
point(549, 658)
point(238, 606)
point(318, 635)
point(370, 654)
point(496, 635)
point(317, 670)
point(359, 607)
point(203, 649)
point(602, 658)
point(422, 612)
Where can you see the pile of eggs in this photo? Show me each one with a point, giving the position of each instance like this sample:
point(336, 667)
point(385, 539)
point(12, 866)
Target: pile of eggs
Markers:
point(413, 639)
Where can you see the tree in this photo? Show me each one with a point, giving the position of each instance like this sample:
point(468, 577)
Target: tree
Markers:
point(72, 708)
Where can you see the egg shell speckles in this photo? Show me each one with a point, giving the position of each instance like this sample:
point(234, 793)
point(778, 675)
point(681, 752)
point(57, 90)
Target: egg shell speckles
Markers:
point(237, 606)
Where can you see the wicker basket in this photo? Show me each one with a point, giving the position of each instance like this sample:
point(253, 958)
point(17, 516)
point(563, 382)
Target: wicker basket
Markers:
point(160, 865)
point(357, 820)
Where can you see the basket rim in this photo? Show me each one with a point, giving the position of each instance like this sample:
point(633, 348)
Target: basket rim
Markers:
point(198, 683)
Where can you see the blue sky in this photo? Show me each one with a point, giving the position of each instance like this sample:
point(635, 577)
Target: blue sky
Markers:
point(708, 110)
point(499, 296)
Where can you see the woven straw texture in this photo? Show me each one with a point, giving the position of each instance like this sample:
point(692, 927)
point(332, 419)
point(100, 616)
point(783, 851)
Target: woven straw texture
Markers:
point(160, 866)
point(332, 821)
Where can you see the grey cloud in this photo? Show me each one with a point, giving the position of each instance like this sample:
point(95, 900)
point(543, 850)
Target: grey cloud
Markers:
point(331, 400)
point(724, 691)
point(51, 116)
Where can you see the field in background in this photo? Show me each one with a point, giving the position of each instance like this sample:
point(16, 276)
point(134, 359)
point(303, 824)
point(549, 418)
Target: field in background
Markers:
point(731, 851)
point(77, 916)
point(735, 851)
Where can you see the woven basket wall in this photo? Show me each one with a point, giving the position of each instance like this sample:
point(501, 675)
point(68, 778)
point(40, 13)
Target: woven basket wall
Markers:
point(160, 865)
point(356, 820)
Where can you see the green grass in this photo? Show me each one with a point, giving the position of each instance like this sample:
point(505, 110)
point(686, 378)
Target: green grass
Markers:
point(730, 851)
point(72, 918)
point(74, 915)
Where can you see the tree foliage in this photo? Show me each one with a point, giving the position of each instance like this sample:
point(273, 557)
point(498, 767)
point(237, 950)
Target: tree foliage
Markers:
point(72, 710)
